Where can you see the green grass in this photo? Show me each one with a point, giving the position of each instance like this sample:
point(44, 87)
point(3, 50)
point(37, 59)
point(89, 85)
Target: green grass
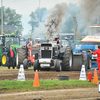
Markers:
point(14, 86)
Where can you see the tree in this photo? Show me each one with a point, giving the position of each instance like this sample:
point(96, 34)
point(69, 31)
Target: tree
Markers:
point(7, 31)
point(38, 16)
point(33, 22)
point(29, 34)
point(41, 14)
point(10, 17)
point(73, 10)
point(67, 26)
point(3, 14)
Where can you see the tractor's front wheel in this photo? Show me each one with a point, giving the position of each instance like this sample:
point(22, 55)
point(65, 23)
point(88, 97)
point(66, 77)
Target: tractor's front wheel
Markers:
point(25, 63)
point(58, 66)
point(36, 65)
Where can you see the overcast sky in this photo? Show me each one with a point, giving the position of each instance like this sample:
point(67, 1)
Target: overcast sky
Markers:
point(25, 7)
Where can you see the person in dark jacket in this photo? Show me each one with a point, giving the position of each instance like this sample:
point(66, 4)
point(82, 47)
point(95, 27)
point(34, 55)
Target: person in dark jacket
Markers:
point(11, 58)
point(98, 57)
point(57, 39)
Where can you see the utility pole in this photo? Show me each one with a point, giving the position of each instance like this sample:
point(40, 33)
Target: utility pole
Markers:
point(39, 11)
point(1, 16)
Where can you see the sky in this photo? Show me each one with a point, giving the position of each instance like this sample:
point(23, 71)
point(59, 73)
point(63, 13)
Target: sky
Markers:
point(25, 7)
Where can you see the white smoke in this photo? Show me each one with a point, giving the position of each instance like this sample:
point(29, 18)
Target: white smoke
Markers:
point(40, 31)
point(90, 9)
point(54, 19)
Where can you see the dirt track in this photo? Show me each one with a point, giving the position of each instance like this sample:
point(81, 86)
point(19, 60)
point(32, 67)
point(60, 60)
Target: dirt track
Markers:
point(66, 94)
point(59, 94)
point(29, 74)
point(12, 74)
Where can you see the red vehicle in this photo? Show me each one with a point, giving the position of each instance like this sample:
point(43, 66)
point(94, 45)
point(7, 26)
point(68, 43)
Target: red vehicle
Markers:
point(32, 52)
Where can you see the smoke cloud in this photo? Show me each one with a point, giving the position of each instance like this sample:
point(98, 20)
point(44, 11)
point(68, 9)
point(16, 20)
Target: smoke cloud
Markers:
point(91, 9)
point(54, 19)
point(39, 31)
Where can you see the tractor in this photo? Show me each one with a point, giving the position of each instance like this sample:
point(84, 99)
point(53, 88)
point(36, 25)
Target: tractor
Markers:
point(54, 56)
point(32, 52)
point(7, 41)
point(83, 47)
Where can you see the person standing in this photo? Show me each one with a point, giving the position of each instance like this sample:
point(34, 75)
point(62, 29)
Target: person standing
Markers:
point(98, 57)
point(57, 39)
point(29, 43)
point(11, 58)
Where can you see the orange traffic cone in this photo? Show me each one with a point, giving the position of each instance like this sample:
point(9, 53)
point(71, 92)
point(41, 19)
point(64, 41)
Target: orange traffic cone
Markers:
point(36, 80)
point(95, 78)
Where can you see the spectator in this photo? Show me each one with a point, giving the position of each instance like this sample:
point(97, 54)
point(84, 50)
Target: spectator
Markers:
point(11, 58)
point(98, 57)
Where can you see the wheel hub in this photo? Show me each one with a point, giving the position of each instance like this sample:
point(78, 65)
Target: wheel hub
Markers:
point(4, 59)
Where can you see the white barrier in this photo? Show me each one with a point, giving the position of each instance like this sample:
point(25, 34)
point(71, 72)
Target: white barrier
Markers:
point(21, 75)
point(82, 73)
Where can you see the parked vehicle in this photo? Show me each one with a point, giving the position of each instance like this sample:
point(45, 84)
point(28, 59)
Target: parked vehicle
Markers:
point(7, 41)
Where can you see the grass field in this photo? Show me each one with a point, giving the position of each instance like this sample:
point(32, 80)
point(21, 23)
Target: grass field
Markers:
point(16, 86)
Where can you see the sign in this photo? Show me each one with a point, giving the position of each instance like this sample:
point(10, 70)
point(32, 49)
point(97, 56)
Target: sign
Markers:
point(82, 73)
point(91, 39)
point(21, 75)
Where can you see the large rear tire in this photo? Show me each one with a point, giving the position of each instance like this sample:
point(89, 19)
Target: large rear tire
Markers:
point(67, 62)
point(20, 56)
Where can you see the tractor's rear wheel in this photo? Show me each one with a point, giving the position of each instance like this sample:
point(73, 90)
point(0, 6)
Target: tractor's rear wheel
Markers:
point(20, 56)
point(67, 62)
point(4, 59)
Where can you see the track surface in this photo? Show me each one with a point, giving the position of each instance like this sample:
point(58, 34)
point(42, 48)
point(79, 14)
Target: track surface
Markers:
point(62, 94)
point(12, 74)
point(67, 94)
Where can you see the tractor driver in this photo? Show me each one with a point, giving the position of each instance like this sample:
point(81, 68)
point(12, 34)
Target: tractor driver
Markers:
point(29, 44)
point(57, 39)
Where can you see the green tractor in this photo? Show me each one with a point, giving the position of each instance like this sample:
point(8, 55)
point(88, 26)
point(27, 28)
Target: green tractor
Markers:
point(7, 41)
